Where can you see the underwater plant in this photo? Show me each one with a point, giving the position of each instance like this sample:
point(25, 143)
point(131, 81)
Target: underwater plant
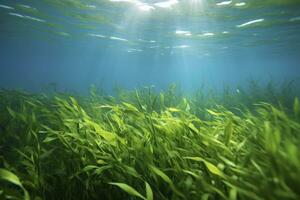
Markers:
point(144, 144)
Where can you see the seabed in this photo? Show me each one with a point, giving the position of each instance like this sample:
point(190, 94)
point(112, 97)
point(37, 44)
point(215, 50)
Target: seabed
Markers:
point(144, 144)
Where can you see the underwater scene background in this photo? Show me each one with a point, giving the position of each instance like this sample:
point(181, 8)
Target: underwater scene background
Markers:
point(150, 99)
point(133, 43)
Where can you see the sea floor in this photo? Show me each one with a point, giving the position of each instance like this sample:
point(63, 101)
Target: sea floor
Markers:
point(149, 145)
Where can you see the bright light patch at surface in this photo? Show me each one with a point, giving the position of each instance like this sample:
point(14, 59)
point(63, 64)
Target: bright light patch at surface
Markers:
point(147, 41)
point(97, 35)
point(140, 5)
point(134, 50)
point(184, 33)
point(117, 38)
point(110, 37)
point(250, 22)
point(181, 47)
point(224, 3)
point(6, 7)
point(35, 19)
point(16, 15)
point(26, 17)
point(166, 4)
point(240, 4)
point(208, 34)
point(145, 7)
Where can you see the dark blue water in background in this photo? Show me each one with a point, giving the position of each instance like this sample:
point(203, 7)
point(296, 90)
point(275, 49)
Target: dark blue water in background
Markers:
point(77, 43)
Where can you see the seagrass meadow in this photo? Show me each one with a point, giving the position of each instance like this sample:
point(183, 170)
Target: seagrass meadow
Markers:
point(144, 144)
point(149, 99)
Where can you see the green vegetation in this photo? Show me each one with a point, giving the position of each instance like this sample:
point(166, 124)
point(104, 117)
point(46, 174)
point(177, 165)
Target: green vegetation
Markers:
point(147, 145)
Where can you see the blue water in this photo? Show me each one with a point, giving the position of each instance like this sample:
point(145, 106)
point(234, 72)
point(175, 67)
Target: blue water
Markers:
point(131, 43)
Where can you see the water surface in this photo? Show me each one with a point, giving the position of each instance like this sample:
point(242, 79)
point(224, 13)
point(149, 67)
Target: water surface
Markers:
point(76, 43)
